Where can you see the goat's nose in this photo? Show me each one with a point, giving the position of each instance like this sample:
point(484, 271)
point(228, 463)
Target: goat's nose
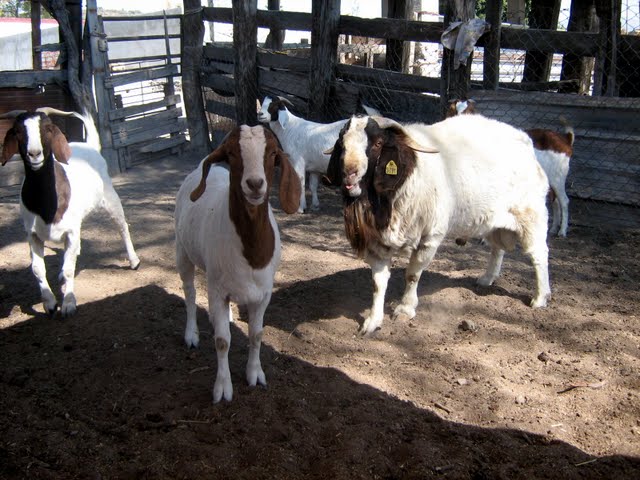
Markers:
point(255, 184)
point(35, 153)
point(350, 175)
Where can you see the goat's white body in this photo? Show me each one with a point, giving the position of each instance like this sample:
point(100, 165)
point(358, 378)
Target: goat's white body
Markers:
point(305, 142)
point(484, 182)
point(207, 238)
point(91, 187)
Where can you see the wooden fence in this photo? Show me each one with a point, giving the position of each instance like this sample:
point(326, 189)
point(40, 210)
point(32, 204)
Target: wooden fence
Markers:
point(605, 165)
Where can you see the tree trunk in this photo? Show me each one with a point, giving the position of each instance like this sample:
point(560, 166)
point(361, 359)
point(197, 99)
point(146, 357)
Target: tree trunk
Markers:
point(543, 15)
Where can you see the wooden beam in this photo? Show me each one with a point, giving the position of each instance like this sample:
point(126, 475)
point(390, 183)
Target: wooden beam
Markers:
point(245, 34)
point(192, 28)
point(31, 79)
point(491, 60)
point(36, 35)
point(324, 38)
point(122, 113)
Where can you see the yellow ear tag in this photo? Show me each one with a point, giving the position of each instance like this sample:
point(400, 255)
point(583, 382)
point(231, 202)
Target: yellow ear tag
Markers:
point(391, 168)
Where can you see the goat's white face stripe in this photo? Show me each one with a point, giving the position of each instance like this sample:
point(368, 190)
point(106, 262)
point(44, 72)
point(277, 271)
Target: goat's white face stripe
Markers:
point(263, 114)
point(355, 142)
point(35, 154)
point(252, 148)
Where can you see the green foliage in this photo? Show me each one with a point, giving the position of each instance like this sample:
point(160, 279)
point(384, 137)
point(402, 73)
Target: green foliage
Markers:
point(15, 8)
point(19, 8)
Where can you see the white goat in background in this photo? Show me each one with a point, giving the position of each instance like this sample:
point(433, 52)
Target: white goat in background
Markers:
point(303, 140)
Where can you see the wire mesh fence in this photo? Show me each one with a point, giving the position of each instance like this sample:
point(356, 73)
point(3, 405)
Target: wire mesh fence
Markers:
point(574, 62)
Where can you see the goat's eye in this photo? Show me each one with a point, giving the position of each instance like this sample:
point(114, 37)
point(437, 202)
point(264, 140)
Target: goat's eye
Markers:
point(378, 143)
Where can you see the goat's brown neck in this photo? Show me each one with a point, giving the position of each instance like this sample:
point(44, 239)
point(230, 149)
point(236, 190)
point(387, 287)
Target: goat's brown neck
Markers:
point(254, 228)
point(46, 192)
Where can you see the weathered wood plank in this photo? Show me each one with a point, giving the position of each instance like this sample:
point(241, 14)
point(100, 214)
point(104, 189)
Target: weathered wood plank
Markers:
point(31, 78)
point(146, 122)
point(294, 84)
point(141, 75)
point(222, 84)
point(192, 28)
point(219, 108)
point(175, 126)
point(396, 80)
point(117, 18)
point(163, 144)
point(325, 16)
point(245, 34)
point(137, 38)
point(133, 110)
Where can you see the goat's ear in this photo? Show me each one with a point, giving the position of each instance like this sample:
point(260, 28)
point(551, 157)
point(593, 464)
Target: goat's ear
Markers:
point(283, 117)
point(333, 177)
point(217, 156)
point(10, 146)
point(59, 145)
point(290, 188)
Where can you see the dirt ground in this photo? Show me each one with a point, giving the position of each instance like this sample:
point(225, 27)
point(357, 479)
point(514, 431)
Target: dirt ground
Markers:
point(113, 393)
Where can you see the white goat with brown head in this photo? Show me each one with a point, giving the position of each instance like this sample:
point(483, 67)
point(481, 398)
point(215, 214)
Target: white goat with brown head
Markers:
point(225, 226)
point(407, 187)
point(63, 183)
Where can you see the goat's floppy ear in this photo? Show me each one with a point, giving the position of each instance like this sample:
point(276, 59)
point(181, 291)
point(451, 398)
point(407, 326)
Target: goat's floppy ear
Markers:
point(217, 156)
point(59, 145)
point(387, 123)
point(10, 146)
point(290, 188)
point(283, 117)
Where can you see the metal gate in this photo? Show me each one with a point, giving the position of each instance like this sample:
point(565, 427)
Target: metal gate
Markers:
point(137, 81)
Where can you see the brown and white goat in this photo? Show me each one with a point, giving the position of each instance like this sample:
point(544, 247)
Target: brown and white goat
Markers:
point(553, 151)
point(225, 226)
point(407, 187)
point(63, 183)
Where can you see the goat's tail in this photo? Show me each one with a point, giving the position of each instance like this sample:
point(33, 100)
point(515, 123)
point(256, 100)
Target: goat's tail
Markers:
point(568, 130)
point(93, 137)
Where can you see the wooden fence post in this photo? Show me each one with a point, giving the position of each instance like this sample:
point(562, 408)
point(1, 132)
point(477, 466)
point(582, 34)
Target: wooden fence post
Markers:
point(192, 33)
point(491, 60)
point(325, 18)
point(245, 72)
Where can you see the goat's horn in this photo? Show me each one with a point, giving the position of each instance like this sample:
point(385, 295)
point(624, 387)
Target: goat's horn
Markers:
point(12, 114)
point(286, 101)
point(55, 111)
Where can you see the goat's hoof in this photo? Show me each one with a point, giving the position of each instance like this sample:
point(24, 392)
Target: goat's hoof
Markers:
point(192, 340)
point(369, 327)
point(135, 265)
point(52, 311)
point(222, 389)
point(485, 281)
point(539, 302)
point(315, 208)
point(256, 378)
point(403, 313)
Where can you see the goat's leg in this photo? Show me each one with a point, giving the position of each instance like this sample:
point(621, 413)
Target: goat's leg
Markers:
point(563, 208)
point(380, 271)
point(420, 259)
point(298, 166)
point(186, 270)
point(534, 245)
point(255, 374)
point(493, 268)
point(40, 272)
point(113, 205)
point(67, 275)
point(220, 317)
point(313, 186)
